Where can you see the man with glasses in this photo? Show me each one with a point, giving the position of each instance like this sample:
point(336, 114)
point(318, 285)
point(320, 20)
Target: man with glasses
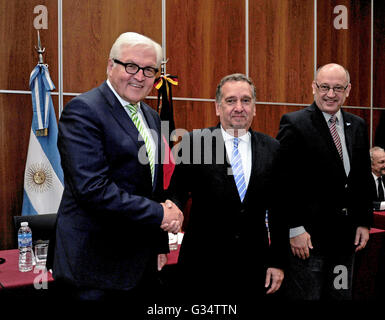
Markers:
point(326, 154)
point(230, 172)
point(112, 224)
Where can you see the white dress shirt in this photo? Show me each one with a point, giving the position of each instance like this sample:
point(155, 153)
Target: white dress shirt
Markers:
point(244, 147)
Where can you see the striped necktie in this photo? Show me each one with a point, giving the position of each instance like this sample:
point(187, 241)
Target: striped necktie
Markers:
point(133, 111)
point(236, 164)
point(334, 133)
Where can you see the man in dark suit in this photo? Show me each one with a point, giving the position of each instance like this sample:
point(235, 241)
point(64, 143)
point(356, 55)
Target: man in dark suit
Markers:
point(377, 156)
point(326, 189)
point(111, 226)
point(230, 173)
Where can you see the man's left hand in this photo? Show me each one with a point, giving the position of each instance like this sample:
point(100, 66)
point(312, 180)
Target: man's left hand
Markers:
point(362, 237)
point(274, 278)
point(162, 260)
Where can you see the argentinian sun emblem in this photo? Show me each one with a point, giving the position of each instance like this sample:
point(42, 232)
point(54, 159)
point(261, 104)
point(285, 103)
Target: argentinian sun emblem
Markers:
point(39, 177)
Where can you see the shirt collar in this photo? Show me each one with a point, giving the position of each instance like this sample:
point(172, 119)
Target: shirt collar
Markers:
point(122, 101)
point(374, 176)
point(338, 116)
point(226, 136)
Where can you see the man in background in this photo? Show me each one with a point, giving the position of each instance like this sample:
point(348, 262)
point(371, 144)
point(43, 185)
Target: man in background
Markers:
point(377, 156)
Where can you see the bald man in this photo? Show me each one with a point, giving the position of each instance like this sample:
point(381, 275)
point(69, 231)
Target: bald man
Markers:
point(328, 172)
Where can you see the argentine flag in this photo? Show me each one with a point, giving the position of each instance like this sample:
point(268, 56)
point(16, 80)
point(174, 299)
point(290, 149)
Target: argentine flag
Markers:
point(43, 176)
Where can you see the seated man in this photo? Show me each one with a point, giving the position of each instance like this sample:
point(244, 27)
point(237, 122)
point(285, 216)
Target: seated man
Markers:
point(377, 156)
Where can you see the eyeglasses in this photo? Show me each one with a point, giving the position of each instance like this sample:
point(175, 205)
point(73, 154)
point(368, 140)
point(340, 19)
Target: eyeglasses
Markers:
point(133, 68)
point(325, 88)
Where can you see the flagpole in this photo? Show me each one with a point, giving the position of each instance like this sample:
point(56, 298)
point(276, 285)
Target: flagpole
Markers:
point(39, 49)
point(43, 175)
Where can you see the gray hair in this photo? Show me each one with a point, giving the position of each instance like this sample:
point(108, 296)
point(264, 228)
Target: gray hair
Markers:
point(373, 150)
point(234, 77)
point(133, 39)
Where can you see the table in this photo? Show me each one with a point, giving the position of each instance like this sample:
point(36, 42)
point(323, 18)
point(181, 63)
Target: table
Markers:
point(11, 277)
point(369, 274)
point(379, 219)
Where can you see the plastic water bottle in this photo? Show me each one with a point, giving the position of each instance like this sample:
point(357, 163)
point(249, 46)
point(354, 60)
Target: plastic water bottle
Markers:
point(24, 237)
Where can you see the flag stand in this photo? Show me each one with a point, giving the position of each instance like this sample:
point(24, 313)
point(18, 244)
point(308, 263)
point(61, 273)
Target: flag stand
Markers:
point(39, 49)
point(165, 109)
point(43, 175)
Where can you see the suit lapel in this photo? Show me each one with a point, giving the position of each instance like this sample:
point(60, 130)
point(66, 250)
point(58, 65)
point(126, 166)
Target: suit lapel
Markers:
point(255, 164)
point(124, 120)
point(120, 115)
point(156, 136)
point(222, 164)
point(319, 123)
point(348, 130)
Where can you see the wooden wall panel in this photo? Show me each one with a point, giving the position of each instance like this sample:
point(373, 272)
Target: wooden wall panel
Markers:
point(190, 115)
point(18, 39)
point(267, 117)
point(91, 27)
point(376, 120)
point(205, 42)
point(379, 54)
point(281, 50)
point(14, 141)
point(349, 47)
point(15, 126)
point(363, 113)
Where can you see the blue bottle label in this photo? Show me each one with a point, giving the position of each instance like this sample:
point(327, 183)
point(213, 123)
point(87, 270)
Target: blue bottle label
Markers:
point(25, 240)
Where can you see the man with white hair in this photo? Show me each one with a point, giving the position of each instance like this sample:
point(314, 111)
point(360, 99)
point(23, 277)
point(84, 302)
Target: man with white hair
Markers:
point(377, 156)
point(112, 223)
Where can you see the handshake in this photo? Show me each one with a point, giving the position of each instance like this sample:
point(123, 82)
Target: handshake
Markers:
point(172, 217)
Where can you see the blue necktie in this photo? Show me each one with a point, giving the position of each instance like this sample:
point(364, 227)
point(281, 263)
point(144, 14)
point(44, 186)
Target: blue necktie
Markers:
point(236, 164)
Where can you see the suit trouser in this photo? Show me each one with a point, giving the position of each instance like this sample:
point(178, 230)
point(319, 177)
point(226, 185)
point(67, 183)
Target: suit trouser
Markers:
point(320, 277)
point(148, 288)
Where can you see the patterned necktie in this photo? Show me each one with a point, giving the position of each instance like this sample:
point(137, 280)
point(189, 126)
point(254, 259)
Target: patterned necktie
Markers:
point(334, 133)
point(133, 111)
point(381, 196)
point(236, 164)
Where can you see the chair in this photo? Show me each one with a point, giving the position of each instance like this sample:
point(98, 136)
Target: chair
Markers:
point(42, 225)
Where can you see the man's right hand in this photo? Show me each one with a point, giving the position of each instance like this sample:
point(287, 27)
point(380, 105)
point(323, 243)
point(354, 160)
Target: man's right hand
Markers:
point(300, 245)
point(172, 217)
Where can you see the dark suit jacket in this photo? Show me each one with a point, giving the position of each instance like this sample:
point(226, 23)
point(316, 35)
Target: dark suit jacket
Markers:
point(319, 195)
point(376, 202)
point(226, 242)
point(108, 227)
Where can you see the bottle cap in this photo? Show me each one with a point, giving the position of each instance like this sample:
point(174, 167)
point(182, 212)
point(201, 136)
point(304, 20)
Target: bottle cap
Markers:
point(24, 224)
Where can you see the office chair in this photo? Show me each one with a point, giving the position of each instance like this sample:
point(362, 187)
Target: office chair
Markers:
point(42, 225)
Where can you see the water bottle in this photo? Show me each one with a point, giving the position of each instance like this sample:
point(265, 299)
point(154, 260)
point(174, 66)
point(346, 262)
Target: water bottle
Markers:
point(24, 237)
